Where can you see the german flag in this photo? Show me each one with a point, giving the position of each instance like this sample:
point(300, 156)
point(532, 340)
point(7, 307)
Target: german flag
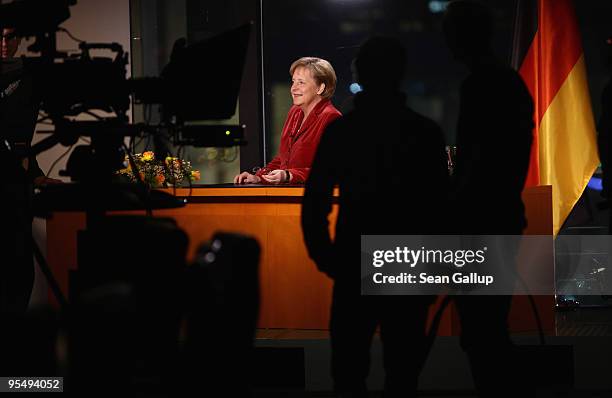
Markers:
point(548, 54)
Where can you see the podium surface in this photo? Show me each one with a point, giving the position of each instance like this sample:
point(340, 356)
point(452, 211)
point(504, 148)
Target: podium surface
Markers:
point(294, 294)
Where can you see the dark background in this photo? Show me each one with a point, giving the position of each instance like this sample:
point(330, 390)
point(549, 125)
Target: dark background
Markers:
point(333, 29)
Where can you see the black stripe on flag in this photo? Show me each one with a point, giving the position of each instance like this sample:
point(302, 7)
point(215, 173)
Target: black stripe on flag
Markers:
point(525, 29)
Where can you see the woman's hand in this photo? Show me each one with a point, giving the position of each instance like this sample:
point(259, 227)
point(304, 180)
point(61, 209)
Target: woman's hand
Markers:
point(275, 177)
point(246, 178)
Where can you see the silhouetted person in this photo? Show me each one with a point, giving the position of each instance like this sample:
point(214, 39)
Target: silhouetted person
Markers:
point(125, 307)
point(17, 121)
point(221, 311)
point(604, 129)
point(390, 167)
point(18, 115)
point(494, 135)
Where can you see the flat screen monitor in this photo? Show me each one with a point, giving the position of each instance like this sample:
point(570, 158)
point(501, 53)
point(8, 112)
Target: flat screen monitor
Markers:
point(203, 80)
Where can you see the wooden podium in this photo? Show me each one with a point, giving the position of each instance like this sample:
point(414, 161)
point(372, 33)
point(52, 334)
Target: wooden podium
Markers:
point(294, 295)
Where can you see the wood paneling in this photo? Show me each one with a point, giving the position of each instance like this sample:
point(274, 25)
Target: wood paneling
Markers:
point(293, 293)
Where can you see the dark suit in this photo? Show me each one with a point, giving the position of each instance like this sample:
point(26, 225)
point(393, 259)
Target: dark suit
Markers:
point(494, 136)
point(390, 166)
point(18, 115)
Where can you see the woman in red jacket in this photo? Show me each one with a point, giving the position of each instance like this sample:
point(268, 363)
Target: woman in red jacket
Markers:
point(313, 84)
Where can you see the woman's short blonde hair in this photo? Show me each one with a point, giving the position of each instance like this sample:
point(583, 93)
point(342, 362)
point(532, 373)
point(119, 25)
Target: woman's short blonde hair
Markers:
point(321, 71)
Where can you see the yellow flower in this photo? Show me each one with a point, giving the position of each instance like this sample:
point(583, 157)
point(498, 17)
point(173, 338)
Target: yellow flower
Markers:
point(148, 155)
point(195, 175)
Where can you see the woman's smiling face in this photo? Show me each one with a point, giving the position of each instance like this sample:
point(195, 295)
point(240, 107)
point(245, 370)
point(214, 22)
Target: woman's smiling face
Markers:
point(304, 88)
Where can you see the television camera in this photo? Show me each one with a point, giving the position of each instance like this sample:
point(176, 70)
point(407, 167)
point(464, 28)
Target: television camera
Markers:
point(201, 82)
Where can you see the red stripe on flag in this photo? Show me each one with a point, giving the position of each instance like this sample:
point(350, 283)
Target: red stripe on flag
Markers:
point(528, 73)
point(551, 57)
point(560, 49)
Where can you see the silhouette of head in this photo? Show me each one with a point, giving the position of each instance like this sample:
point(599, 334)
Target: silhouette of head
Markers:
point(467, 28)
point(380, 64)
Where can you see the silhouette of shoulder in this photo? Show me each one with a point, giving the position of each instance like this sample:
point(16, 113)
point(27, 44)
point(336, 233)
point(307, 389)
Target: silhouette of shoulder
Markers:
point(499, 89)
point(362, 119)
point(496, 112)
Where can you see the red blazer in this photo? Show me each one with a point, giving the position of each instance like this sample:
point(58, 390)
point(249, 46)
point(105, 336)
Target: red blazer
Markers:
point(297, 147)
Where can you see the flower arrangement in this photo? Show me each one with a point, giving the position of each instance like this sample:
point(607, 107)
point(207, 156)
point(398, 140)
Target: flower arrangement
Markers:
point(157, 174)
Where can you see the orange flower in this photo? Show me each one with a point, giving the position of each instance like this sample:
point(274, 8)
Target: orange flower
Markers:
point(148, 155)
point(160, 178)
point(195, 175)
